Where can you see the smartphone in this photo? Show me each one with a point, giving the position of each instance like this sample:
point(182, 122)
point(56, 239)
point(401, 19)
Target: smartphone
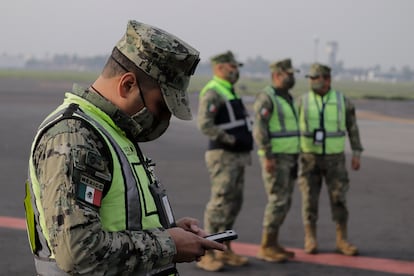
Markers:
point(227, 235)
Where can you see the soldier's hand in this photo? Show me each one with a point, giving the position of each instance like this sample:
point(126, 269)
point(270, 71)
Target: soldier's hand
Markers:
point(192, 225)
point(191, 247)
point(355, 163)
point(270, 165)
point(230, 139)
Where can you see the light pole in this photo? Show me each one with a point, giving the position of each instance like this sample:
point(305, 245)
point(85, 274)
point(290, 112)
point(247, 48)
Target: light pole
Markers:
point(316, 43)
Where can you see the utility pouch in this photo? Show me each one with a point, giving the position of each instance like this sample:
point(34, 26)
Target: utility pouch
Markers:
point(165, 212)
point(319, 136)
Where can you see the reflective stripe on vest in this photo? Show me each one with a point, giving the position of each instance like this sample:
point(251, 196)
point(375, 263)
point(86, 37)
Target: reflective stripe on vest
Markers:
point(283, 126)
point(233, 122)
point(334, 122)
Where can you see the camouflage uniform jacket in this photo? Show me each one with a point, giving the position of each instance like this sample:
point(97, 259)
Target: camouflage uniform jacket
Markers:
point(351, 126)
point(77, 239)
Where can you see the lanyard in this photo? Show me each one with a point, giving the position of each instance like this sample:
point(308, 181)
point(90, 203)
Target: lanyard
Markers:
point(321, 110)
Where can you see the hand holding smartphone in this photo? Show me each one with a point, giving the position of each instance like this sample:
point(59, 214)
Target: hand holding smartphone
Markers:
point(227, 235)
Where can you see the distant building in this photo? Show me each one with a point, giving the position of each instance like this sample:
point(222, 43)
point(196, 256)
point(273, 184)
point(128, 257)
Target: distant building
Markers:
point(12, 62)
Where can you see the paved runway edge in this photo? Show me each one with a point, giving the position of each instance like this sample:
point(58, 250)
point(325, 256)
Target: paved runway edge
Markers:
point(358, 262)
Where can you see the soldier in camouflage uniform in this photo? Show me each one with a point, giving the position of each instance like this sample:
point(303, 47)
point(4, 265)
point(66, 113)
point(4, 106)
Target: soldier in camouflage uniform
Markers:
point(276, 133)
point(93, 204)
point(325, 116)
point(223, 118)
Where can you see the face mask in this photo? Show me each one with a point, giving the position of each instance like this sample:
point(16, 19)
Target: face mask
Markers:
point(288, 82)
point(317, 86)
point(233, 76)
point(151, 127)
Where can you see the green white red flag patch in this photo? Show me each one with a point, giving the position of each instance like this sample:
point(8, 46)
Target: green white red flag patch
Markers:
point(89, 190)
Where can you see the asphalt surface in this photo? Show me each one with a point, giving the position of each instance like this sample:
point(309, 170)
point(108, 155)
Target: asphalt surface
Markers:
point(380, 199)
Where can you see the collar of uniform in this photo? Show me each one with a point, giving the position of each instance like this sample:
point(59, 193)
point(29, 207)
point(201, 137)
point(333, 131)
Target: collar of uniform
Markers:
point(223, 82)
point(94, 97)
point(284, 93)
point(122, 120)
point(326, 95)
point(280, 91)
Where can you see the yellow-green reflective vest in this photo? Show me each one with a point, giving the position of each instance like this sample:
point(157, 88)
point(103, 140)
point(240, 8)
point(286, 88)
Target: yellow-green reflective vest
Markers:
point(333, 106)
point(222, 87)
point(283, 125)
point(128, 205)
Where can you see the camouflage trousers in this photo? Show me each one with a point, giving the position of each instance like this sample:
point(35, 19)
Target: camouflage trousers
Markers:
point(226, 171)
point(279, 187)
point(313, 169)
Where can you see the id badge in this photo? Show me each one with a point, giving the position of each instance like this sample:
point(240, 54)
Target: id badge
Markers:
point(318, 136)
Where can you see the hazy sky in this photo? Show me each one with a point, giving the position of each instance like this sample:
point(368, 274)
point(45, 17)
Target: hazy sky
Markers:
point(368, 32)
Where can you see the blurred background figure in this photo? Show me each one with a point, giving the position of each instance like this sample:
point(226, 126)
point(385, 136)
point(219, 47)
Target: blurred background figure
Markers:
point(325, 116)
point(223, 118)
point(276, 133)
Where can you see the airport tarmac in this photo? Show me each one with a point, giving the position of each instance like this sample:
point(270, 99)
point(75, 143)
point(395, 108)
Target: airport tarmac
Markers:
point(380, 199)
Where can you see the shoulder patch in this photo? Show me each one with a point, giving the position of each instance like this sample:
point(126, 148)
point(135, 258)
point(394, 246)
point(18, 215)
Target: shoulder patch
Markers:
point(90, 190)
point(212, 108)
point(264, 112)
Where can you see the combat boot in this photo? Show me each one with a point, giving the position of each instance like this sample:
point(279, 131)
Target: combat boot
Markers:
point(230, 258)
point(281, 249)
point(289, 254)
point(269, 250)
point(209, 262)
point(342, 245)
point(311, 246)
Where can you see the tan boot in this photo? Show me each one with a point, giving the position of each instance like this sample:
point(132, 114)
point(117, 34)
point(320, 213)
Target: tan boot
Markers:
point(209, 262)
point(342, 245)
point(281, 249)
point(269, 250)
point(230, 258)
point(311, 246)
point(289, 254)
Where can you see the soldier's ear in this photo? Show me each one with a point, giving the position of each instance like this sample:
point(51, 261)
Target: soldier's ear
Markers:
point(127, 83)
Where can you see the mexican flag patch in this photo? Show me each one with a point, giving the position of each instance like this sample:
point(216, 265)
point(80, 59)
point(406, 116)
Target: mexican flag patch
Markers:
point(90, 190)
point(212, 108)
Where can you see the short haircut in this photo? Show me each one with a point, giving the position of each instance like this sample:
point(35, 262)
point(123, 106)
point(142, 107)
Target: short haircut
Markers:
point(118, 64)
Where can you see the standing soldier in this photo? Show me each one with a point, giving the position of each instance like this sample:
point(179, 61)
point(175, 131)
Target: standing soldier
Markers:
point(325, 117)
point(223, 118)
point(93, 204)
point(276, 133)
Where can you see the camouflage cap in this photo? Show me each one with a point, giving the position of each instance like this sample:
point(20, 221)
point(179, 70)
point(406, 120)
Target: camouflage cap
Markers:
point(318, 69)
point(164, 57)
point(226, 57)
point(284, 65)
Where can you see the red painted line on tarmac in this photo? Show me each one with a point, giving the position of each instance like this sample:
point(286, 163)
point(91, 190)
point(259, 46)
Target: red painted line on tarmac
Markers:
point(358, 262)
point(14, 223)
